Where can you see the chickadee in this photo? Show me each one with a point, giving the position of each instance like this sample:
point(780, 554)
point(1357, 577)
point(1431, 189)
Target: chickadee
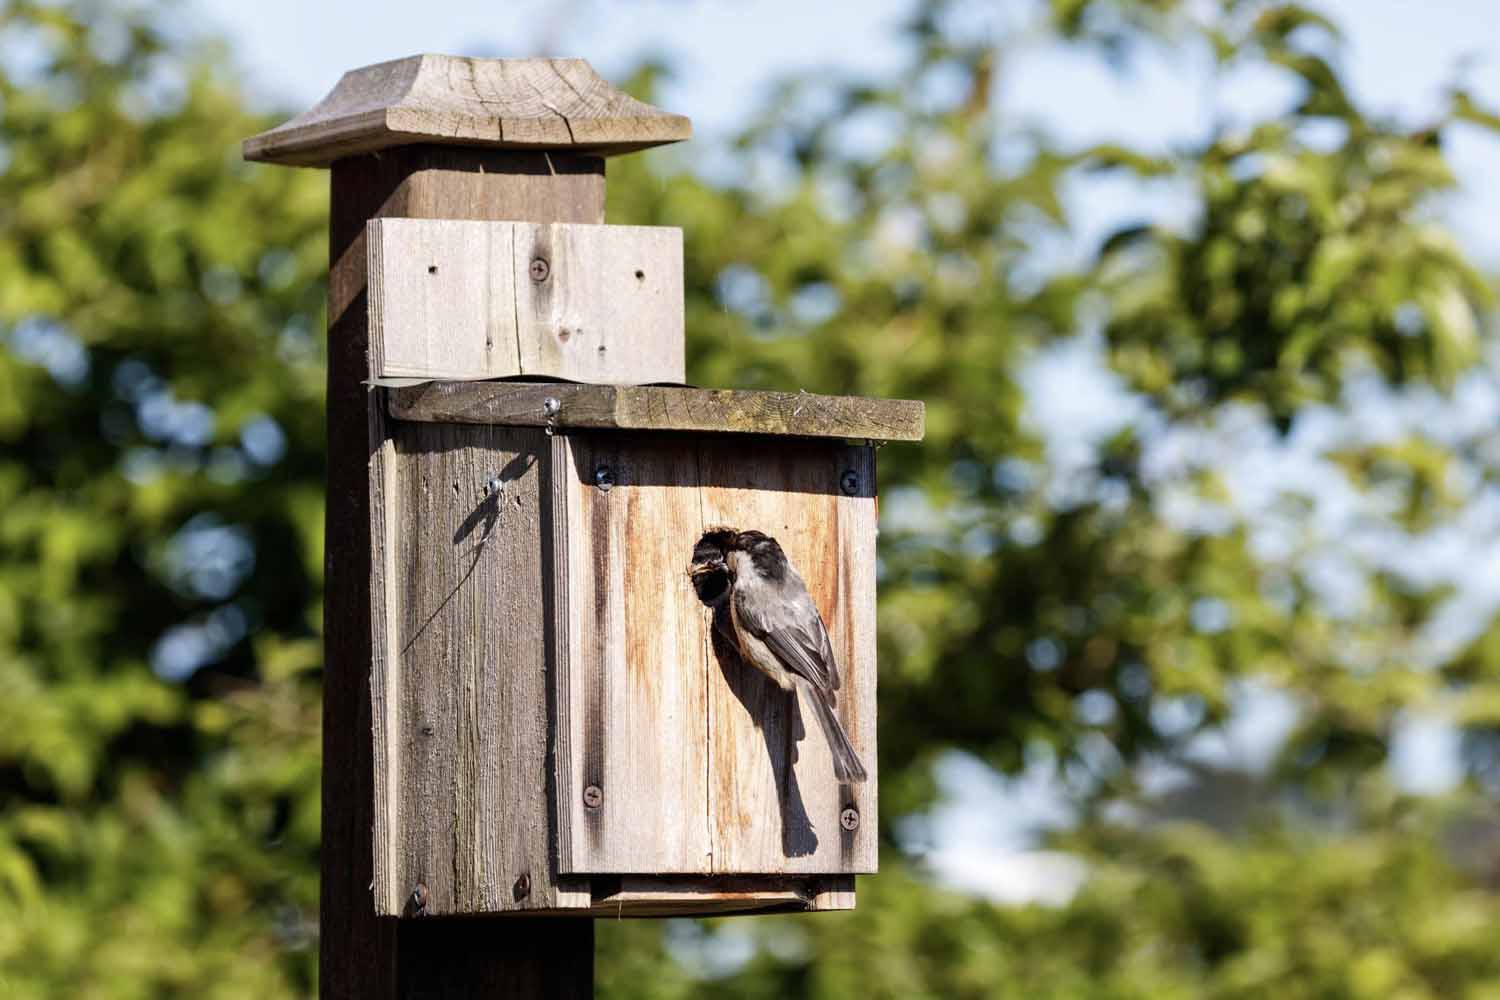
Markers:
point(763, 608)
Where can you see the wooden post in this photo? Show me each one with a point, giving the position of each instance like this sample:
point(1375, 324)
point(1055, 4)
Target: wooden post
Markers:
point(428, 137)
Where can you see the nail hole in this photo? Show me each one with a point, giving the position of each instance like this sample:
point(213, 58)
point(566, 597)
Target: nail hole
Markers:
point(640, 276)
point(432, 269)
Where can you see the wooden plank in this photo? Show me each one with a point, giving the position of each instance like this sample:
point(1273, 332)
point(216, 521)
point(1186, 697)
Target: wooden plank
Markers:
point(719, 895)
point(468, 654)
point(361, 953)
point(649, 689)
point(442, 298)
point(774, 803)
point(631, 711)
point(610, 308)
point(553, 104)
point(468, 299)
point(659, 408)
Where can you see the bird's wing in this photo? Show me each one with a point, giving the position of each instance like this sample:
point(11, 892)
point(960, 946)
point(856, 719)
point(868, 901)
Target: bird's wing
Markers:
point(794, 631)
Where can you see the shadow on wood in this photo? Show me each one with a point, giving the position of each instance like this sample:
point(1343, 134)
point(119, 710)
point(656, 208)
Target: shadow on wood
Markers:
point(774, 465)
point(778, 716)
point(638, 669)
point(488, 509)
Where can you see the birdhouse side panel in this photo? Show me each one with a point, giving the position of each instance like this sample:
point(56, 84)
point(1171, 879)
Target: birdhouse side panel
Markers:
point(459, 677)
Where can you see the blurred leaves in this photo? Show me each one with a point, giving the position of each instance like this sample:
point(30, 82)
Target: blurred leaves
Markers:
point(158, 297)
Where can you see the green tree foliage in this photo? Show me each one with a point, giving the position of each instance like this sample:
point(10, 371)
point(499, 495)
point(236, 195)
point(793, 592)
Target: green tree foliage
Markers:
point(160, 531)
point(160, 505)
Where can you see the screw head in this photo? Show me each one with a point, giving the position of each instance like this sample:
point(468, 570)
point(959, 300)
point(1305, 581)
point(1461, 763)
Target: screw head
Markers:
point(849, 482)
point(522, 888)
point(849, 819)
point(540, 269)
point(593, 796)
point(493, 485)
point(419, 898)
point(604, 478)
point(551, 406)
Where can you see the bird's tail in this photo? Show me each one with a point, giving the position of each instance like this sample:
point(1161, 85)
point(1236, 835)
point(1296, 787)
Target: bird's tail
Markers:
point(846, 764)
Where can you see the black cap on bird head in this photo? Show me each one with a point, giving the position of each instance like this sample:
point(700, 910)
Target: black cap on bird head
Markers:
point(765, 553)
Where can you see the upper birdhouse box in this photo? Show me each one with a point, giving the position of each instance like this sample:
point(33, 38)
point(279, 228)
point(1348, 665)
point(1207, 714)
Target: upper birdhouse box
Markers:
point(596, 686)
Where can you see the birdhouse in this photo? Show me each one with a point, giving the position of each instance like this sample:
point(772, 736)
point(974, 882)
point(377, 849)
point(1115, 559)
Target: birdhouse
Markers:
point(561, 720)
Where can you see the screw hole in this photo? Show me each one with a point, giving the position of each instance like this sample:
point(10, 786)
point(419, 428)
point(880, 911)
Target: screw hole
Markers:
point(640, 276)
point(432, 269)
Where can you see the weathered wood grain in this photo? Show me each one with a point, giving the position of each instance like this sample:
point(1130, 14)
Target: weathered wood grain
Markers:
point(774, 803)
point(361, 953)
point(486, 513)
point(466, 685)
point(649, 690)
point(471, 807)
point(468, 299)
point(553, 104)
point(443, 298)
point(659, 408)
point(610, 308)
point(668, 897)
point(633, 709)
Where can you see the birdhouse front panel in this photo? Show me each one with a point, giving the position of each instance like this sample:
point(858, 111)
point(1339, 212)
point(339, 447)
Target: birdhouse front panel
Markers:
point(675, 754)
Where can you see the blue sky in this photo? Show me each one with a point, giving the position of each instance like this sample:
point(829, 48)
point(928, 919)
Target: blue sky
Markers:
point(1399, 57)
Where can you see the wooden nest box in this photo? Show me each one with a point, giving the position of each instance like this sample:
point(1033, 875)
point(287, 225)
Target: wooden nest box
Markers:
point(555, 724)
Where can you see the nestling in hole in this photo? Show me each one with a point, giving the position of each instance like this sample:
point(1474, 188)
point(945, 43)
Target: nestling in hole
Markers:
point(708, 571)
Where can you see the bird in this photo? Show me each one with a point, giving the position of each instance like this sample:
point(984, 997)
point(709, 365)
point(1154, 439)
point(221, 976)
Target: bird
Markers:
point(761, 605)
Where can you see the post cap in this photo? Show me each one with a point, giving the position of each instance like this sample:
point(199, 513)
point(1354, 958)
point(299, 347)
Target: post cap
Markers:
point(500, 103)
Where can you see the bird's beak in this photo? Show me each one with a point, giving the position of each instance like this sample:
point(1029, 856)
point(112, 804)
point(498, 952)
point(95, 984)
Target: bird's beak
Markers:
point(704, 568)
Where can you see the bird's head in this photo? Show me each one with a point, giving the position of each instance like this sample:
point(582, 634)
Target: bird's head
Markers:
point(764, 552)
point(709, 569)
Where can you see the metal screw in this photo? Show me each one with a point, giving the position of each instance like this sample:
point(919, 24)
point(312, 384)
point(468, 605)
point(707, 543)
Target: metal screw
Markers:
point(849, 819)
point(522, 888)
point(540, 269)
point(428, 730)
point(604, 478)
point(550, 406)
point(419, 898)
point(593, 796)
point(493, 485)
point(849, 481)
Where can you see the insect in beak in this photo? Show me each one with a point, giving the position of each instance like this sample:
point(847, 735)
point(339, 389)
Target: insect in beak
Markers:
point(705, 568)
point(710, 579)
